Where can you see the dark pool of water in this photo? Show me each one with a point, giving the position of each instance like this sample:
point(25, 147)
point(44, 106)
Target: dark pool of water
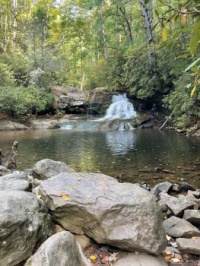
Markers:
point(135, 155)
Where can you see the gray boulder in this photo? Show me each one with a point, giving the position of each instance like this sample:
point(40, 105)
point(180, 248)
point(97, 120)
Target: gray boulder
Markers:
point(60, 249)
point(119, 214)
point(47, 168)
point(43, 123)
point(140, 260)
point(189, 245)
point(14, 181)
point(177, 227)
point(192, 216)
point(23, 224)
point(162, 187)
point(9, 125)
point(176, 204)
point(69, 97)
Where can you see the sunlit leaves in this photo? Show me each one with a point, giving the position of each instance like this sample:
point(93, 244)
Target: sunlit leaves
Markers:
point(195, 37)
point(193, 91)
point(164, 33)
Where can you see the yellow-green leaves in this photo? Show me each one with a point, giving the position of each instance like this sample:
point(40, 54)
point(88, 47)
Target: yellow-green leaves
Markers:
point(183, 20)
point(164, 33)
point(195, 37)
point(193, 91)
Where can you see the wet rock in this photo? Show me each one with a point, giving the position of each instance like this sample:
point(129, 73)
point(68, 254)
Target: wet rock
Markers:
point(9, 125)
point(23, 223)
point(44, 123)
point(14, 181)
point(47, 168)
point(140, 260)
point(192, 216)
point(185, 187)
point(161, 187)
point(177, 227)
point(60, 247)
point(86, 204)
point(176, 204)
point(189, 245)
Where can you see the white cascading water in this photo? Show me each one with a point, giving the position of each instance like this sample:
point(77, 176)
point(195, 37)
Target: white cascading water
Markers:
point(120, 108)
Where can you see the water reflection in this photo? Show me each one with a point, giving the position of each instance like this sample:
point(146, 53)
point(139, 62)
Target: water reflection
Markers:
point(129, 154)
point(120, 142)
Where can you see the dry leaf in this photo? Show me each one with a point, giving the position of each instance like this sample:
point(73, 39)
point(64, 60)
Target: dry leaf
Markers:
point(168, 252)
point(178, 256)
point(105, 259)
point(167, 258)
point(194, 237)
point(114, 257)
point(92, 258)
point(175, 260)
point(64, 197)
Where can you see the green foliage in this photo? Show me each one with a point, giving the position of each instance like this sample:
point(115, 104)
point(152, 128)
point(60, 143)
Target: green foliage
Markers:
point(17, 101)
point(18, 66)
point(6, 75)
point(186, 109)
point(144, 80)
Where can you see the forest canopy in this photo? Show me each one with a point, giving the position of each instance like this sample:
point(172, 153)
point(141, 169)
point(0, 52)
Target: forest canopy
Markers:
point(146, 48)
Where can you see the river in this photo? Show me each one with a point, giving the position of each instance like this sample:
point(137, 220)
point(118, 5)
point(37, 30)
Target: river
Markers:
point(150, 155)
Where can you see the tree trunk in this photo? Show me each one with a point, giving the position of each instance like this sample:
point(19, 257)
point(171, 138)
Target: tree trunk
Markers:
point(14, 6)
point(147, 14)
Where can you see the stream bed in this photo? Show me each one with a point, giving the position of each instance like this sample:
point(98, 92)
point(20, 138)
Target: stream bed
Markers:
point(150, 156)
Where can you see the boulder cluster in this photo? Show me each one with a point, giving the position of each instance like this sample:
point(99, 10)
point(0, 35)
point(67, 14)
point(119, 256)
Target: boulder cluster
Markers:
point(49, 215)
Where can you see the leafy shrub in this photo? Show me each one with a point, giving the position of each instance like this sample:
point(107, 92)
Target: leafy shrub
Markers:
point(23, 101)
point(19, 66)
point(186, 109)
point(144, 80)
point(6, 75)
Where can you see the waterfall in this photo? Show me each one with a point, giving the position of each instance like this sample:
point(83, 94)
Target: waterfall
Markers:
point(120, 108)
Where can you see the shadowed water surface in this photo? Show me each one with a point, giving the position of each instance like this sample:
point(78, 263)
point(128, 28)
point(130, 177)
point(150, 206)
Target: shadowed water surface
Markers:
point(132, 155)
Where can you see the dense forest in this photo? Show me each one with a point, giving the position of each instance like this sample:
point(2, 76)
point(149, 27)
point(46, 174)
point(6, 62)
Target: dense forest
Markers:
point(147, 48)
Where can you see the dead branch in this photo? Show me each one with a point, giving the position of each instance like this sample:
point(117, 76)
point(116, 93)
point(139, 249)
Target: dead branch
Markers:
point(11, 161)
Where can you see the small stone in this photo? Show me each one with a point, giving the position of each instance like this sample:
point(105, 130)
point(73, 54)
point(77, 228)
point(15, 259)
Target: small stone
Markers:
point(192, 216)
point(162, 187)
point(185, 187)
point(189, 245)
point(177, 227)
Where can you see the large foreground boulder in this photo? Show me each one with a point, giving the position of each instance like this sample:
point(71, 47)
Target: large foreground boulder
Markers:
point(46, 168)
point(23, 224)
point(119, 214)
point(59, 249)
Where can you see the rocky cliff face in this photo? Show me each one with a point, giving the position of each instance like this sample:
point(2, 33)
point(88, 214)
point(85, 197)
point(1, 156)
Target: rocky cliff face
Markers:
point(73, 100)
